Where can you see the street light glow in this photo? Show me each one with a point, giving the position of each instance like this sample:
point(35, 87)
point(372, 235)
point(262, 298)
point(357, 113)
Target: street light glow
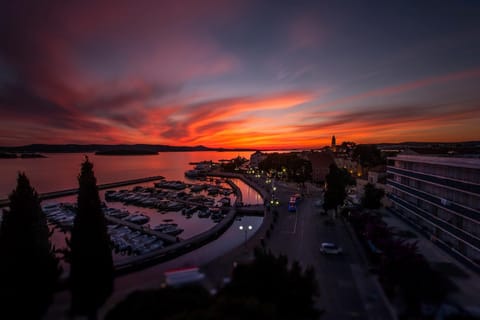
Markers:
point(248, 228)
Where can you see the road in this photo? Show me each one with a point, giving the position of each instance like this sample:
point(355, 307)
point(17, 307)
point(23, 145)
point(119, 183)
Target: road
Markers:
point(347, 291)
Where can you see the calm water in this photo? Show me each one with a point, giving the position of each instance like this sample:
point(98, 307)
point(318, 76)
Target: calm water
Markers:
point(60, 171)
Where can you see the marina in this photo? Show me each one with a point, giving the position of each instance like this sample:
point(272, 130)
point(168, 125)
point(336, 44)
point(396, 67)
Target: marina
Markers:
point(189, 212)
point(137, 232)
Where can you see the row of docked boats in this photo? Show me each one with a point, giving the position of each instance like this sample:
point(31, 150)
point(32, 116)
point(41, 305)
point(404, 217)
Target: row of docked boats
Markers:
point(168, 228)
point(125, 240)
point(168, 200)
point(201, 169)
point(128, 241)
point(60, 214)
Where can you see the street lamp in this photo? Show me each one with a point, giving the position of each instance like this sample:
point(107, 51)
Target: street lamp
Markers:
point(246, 229)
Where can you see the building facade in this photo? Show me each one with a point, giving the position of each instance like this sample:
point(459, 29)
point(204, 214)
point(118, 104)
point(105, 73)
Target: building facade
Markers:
point(442, 196)
point(321, 162)
point(256, 158)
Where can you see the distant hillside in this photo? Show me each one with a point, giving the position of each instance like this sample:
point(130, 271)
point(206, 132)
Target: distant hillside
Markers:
point(126, 153)
point(84, 148)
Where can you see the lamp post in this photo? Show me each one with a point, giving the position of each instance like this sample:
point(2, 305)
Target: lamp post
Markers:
point(246, 229)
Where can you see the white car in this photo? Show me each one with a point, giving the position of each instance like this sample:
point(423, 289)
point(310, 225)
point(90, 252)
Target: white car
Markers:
point(330, 248)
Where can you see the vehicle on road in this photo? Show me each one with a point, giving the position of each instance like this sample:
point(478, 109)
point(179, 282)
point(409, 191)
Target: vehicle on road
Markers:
point(330, 248)
point(292, 204)
point(184, 276)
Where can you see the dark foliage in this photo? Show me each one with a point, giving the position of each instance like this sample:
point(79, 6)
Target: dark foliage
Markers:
point(168, 303)
point(368, 155)
point(337, 180)
point(28, 267)
point(266, 289)
point(91, 275)
point(234, 164)
point(372, 198)
point(402, 270)
point(297, 169)
point(270, 282)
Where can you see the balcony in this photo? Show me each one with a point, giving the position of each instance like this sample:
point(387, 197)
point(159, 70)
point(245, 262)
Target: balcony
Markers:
point(450, 206)
point(458, 233)
point(445, 182)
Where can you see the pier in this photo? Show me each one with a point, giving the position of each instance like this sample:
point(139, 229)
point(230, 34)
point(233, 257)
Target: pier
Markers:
point(69, 192)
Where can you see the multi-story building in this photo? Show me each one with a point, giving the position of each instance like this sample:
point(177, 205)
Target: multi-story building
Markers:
point(442, 196)
point(256, 158)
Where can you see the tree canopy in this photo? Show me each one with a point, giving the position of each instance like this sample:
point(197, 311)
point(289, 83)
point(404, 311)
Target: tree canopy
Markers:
point(372, 197)
point(265, 289)
point(91, 272)
point(337, 180)
point(28, 269)
point(368, 155)
point(297, 169)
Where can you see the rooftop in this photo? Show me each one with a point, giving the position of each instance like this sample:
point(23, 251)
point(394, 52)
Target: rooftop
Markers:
point(445, 161)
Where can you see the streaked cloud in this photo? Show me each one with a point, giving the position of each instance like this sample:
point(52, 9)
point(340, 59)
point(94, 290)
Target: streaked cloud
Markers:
point(237, 73)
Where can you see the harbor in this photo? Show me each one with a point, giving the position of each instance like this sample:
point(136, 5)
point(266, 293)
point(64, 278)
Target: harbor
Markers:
point(68, 192)
point(143, 220)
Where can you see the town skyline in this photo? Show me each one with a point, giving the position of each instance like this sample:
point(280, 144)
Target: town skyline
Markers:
point(239, 74)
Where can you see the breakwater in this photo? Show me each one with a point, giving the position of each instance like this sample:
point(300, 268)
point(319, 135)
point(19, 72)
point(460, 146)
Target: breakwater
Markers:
point(69, 192)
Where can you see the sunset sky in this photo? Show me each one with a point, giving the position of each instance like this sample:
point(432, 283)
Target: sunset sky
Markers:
point(262, 74)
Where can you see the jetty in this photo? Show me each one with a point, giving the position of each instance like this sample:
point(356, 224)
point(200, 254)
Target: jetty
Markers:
point(68, 192)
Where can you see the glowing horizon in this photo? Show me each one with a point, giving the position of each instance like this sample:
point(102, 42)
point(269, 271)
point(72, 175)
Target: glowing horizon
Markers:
point(238, 74)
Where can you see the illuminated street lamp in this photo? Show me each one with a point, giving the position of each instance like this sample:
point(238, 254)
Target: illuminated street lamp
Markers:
point(246, 229)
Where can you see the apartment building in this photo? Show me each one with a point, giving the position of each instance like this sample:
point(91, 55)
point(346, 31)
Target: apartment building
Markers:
point(442, 196)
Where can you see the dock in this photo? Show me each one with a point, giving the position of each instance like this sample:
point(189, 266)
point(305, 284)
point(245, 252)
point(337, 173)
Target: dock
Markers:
point(69, 192)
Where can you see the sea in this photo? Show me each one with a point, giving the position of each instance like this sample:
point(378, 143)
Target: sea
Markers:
point(60, 172)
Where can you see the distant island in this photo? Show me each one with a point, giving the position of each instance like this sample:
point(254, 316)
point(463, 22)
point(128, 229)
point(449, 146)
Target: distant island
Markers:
point(126, 153)
point(88, 148)
point(10, 155)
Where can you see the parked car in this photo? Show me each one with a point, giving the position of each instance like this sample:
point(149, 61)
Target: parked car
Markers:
point(330, 248)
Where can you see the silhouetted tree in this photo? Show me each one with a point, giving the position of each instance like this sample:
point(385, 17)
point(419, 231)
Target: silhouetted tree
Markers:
point(269, 282)
point(337, 180)
point(297, 169)
point(372, 198)
point(264, 289)
point(28, 267)
point(91, 272)
point(165, 303)
point(367, 155)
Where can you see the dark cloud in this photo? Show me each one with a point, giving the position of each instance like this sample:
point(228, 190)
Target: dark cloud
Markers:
point(396, 115)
